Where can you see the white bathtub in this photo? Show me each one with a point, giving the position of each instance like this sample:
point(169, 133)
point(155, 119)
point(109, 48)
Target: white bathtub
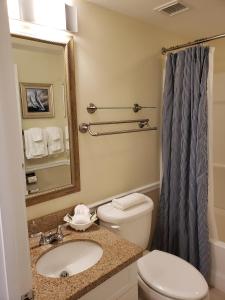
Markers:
point(218, 264)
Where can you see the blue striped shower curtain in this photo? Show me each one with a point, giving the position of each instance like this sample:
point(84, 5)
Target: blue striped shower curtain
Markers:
point(182, 227)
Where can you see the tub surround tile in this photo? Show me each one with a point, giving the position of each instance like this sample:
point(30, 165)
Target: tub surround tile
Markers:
point(117, 254)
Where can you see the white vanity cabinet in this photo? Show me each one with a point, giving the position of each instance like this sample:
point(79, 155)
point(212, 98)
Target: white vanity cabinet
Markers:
point(122, 286)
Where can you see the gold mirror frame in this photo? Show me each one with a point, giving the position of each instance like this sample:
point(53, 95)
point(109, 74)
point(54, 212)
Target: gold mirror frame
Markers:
point(72, 125)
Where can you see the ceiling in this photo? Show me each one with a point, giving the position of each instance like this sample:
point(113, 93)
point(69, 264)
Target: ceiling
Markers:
point(205, 17)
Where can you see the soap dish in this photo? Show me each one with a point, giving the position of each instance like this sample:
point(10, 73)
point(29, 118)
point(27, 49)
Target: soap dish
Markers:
point(79, 227)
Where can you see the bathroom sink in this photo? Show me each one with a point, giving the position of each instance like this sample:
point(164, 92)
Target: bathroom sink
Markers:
point(69, 259)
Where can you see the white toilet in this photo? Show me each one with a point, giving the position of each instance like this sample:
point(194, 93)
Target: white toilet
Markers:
point(161, 276)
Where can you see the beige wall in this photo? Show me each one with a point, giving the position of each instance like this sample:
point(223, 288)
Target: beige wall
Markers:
point(118, 63)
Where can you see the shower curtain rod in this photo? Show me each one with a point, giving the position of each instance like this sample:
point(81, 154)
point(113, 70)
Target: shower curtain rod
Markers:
point(196, 42)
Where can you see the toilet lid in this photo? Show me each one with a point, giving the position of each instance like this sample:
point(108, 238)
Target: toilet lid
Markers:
point(171, 276)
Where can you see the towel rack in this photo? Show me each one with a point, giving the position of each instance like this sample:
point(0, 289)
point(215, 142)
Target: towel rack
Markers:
point(91, 108)
point(86, 127)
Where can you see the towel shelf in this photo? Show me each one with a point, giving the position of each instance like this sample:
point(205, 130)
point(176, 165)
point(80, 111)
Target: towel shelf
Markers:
point(142, 123)
point(91, 108)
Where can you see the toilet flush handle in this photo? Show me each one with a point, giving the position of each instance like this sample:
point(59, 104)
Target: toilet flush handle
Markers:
point(115, 227)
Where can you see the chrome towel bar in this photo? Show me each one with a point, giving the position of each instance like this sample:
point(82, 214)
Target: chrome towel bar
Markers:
point(91, 108)
point(86, 127)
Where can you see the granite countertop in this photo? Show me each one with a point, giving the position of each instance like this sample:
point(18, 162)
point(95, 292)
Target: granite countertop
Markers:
point(117, 254)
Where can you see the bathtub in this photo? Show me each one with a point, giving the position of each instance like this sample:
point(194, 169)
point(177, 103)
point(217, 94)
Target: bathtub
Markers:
point(217, 226)
point(217, 278)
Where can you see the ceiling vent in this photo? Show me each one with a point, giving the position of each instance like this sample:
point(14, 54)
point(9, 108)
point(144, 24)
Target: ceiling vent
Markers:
point(172, 8)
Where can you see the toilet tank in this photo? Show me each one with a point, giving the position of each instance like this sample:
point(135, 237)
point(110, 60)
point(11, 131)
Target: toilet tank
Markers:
point(134, 224)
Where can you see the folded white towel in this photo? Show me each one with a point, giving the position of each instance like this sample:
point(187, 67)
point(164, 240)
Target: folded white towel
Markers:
point(128, 201)
point(82, 209)
point(54, 132)
point(54, 140)
point(36, 134)
point(35, 149)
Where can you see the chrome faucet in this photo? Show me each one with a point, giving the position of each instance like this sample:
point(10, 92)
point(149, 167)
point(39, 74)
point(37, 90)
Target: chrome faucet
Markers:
point(51, 237)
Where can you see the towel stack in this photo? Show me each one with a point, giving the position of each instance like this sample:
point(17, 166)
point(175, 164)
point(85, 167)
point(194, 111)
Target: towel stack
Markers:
point(81, 214)
point(54, 140)
point(41, 142)
point(35, 143)
point(129, 201)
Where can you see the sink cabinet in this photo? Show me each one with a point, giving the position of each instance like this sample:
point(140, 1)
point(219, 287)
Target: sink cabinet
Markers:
point(122, 286)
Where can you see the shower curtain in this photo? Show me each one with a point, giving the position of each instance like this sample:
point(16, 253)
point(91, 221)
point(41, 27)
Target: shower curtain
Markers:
point(182, 227)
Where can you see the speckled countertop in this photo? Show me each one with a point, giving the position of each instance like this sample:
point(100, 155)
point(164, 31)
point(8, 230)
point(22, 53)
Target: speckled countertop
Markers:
point(117, 254)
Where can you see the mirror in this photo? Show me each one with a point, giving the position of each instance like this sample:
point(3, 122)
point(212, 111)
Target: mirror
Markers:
point(46, 94)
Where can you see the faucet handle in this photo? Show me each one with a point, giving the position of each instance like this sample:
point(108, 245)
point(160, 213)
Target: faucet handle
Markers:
point(115, 227)
point(43, 239)
point(60, 228)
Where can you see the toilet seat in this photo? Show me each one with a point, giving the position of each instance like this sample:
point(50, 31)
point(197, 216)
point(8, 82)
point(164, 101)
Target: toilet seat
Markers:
point(171, 276)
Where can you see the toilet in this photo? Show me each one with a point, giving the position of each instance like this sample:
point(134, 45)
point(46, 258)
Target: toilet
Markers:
point(161, 276)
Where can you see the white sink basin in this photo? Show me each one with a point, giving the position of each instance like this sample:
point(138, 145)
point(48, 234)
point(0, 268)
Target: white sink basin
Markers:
point(69, 259)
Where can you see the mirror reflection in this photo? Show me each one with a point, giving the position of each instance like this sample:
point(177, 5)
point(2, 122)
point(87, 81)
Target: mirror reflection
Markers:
point(40, 72)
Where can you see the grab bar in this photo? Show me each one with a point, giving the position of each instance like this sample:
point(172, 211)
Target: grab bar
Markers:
point(86, 127)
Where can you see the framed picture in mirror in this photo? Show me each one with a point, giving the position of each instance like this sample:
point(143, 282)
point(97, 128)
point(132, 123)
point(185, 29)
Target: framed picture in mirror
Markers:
point(37, 100)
